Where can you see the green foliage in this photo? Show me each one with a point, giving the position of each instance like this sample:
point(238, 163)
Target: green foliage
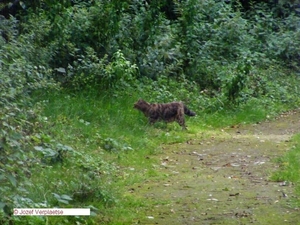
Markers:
point(290, 164)
point(112, 145)
point(153, 44)
point(237, 81)
point(53, 154)
point(89, 43)
point(214, 36)
point(276, 38)
point(91, 72)
point(22, 70)
point(290, 167)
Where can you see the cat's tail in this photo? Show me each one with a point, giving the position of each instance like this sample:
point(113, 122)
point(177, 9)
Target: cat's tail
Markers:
point(188, 112)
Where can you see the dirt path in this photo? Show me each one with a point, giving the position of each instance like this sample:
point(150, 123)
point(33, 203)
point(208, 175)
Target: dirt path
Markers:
point(224, 179)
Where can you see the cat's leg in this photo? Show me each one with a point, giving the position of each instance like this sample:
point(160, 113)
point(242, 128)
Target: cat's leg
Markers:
point(180, 120)
point(152, 120)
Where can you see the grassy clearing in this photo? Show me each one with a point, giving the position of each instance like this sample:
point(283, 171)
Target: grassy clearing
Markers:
point(112, 148)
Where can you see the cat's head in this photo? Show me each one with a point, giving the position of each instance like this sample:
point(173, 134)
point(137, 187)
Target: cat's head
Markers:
point(140, 103)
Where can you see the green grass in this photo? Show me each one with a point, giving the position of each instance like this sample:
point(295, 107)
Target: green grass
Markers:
point(253, 111)
point(290, 167)
point(113, 145)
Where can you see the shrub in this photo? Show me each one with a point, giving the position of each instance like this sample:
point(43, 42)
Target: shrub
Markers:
point(22, 71)
point(92, 72)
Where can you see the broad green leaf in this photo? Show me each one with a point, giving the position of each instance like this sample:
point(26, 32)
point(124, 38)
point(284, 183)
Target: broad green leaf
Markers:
point(66, 197)
point(61, 70)
point(2, 204)
point(12, 180)
point(38, 148)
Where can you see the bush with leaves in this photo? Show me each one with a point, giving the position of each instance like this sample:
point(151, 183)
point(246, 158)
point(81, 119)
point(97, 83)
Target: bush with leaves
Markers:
point(204, 39)
point(91, 72)
point(22, 71)
point(213, 36)
point(149, 40)
point(277, 38)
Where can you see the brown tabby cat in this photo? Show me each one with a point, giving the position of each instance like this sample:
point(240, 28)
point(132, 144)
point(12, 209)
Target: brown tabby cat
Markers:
point(167, 112)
